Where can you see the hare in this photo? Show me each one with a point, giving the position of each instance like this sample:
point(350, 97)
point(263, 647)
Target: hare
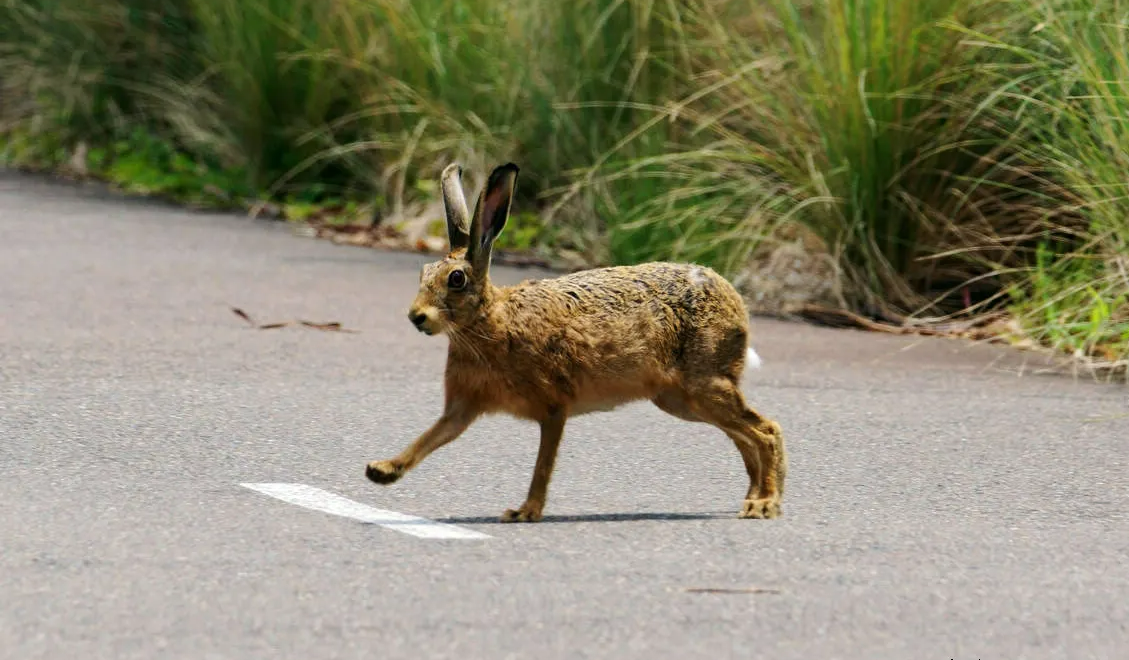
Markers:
point(546, 350)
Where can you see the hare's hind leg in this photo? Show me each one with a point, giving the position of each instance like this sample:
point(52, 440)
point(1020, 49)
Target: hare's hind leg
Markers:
point(676, 403)
point(456, 418)
point(552, 429)
point(718, 401)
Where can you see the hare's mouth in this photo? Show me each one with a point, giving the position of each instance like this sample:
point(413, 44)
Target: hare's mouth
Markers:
point(424, 327)
point(430, 319)
point(424, 321)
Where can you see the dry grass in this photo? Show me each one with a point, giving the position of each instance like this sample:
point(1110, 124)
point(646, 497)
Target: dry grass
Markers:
point(906, 158)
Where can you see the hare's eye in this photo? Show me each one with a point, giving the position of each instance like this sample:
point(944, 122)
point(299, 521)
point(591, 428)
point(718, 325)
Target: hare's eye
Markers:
point(456, 280)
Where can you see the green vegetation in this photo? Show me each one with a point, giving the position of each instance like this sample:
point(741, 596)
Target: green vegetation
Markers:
point(1074, 95)
point(954, 156)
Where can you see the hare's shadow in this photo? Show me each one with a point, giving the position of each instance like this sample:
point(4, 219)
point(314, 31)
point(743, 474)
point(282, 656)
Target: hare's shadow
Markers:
point(591, 517)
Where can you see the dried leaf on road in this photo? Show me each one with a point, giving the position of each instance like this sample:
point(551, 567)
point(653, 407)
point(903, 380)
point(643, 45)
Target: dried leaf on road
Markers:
point(723, 590)
point(332, 326)
point(243, 315)
point(328, 326)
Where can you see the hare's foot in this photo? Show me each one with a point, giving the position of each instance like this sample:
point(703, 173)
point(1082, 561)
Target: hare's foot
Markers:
point(529, 512)
point(768, 507)
point(384, 472)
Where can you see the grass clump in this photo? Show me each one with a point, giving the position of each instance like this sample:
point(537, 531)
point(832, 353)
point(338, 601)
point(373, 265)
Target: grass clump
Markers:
point(855, 118)
point(319, 101)
point(948, 156)
point(72, 72)
point(1074, 93)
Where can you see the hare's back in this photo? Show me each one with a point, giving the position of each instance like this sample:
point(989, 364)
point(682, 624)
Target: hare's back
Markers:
point(609, 335)
point(696, 293)
point(661, 306)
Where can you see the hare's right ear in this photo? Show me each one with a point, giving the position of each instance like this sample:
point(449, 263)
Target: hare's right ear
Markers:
point(490, 215)
point(458, 219)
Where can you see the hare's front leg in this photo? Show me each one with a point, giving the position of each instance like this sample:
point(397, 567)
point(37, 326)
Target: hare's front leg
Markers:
point(552, 428)
point(456, 418)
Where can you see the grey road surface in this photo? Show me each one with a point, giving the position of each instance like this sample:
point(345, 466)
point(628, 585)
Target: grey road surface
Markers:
point(944, 500)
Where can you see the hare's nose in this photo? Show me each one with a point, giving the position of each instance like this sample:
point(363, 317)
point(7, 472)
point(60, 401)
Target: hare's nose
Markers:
point(417, 318)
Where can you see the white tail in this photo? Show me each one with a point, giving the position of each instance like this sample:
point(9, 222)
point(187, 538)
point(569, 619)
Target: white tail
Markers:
point(754, 360)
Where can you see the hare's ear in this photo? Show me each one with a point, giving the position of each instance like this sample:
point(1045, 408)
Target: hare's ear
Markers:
point(490, 215)
point(458, 219)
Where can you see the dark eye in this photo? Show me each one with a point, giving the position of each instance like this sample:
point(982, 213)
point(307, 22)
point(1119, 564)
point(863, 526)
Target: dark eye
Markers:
point(456, 280)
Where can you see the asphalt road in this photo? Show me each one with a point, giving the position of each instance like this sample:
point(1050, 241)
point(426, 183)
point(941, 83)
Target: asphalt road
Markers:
point(944, 500)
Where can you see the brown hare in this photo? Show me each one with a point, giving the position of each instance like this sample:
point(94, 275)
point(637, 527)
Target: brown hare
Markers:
point(550, 349)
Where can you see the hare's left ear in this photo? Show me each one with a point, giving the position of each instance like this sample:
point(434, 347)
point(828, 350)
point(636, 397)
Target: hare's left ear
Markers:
point(490, 215)
point(454, 204)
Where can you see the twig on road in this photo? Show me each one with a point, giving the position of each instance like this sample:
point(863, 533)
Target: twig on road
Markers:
point(331, 326)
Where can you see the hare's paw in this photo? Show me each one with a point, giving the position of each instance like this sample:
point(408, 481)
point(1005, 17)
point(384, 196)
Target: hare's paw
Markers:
point(763, 508)
point(384, 472)
point(527, 513)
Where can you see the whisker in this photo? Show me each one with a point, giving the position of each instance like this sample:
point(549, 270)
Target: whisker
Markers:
point(460, 340)
point(465, 330)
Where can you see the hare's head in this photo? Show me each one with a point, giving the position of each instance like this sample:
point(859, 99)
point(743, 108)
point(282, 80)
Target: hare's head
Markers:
point(452, 291)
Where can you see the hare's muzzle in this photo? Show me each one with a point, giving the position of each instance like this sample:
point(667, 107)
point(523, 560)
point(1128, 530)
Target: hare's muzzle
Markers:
point(419, 319)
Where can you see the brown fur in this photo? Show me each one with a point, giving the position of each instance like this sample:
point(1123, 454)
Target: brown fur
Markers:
point(546, 350)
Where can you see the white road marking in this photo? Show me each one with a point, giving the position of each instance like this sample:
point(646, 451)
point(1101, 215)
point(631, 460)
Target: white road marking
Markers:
point(326, 502)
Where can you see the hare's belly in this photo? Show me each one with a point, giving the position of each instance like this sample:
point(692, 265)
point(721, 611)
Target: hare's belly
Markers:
point(595, 406)
point(580, 396)
point(608, 395)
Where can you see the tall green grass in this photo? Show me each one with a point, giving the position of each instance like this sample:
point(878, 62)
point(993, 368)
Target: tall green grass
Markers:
point(1071, 89)
point(345, 95)
point(856, 118)
point(945, 151)
point(74, 70)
